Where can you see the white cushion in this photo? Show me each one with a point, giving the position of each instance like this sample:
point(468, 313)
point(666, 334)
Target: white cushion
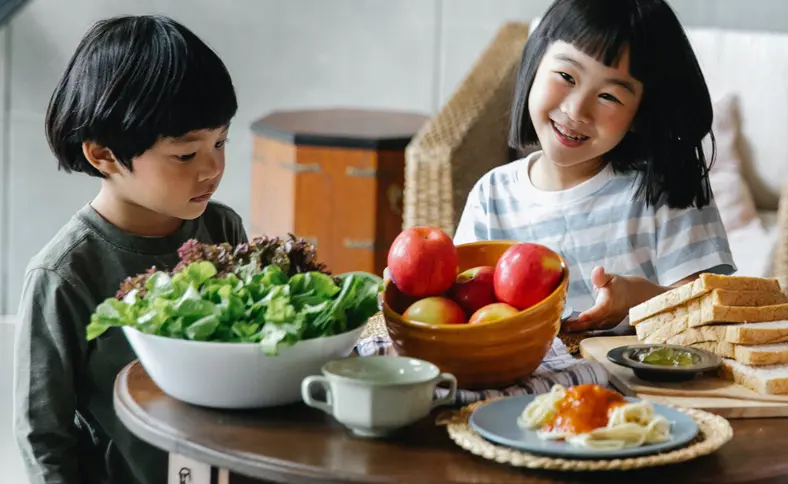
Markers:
point(753, 246)
point(731, 192)
point(754, 66)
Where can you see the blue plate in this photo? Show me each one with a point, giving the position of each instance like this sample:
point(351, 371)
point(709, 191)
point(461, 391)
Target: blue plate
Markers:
point(497, 421)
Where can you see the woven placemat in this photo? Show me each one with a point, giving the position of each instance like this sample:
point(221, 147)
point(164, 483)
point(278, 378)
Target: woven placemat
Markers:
point(714, 432)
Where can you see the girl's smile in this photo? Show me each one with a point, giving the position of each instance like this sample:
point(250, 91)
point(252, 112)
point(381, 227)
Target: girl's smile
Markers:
point(567, 136)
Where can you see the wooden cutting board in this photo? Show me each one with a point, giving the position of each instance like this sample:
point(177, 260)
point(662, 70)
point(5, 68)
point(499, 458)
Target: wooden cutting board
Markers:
point(706, 392)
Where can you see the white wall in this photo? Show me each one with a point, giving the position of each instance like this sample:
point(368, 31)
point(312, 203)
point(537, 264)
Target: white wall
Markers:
point(10, 462)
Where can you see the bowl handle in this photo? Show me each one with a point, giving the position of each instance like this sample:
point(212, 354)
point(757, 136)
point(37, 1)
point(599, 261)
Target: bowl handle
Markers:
point(449, 398)
point(306, 393)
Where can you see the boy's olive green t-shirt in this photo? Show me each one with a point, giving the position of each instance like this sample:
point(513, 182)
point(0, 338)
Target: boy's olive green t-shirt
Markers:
point(64, 419)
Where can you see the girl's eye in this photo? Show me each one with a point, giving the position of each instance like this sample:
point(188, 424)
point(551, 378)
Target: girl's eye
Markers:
point(567, 77)
point(186, 157)
point(609, 97)
point(220, 144)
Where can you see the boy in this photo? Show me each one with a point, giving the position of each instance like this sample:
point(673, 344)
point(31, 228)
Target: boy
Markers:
point(145, 106)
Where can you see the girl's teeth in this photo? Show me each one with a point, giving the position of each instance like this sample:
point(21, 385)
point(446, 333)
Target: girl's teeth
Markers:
point(575, 138)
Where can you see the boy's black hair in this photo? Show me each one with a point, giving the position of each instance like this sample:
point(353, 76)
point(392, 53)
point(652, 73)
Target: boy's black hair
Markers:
point(675, 114)
point(131, 81)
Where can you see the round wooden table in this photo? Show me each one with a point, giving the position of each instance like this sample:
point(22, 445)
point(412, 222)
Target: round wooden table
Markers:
point(298, 444)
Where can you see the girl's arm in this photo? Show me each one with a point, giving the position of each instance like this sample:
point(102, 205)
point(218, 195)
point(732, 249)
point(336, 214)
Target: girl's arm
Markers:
point(615, 296)
point(687, 242)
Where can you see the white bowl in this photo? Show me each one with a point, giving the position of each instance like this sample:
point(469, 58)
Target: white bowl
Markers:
point(235, 375)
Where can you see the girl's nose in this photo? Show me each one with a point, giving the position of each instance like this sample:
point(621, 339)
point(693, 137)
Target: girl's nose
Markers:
point(575, 107)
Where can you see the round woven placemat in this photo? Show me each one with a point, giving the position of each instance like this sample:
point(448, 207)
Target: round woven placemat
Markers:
point(714, 432)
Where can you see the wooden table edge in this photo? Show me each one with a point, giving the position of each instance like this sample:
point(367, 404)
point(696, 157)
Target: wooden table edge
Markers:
point(155, 434)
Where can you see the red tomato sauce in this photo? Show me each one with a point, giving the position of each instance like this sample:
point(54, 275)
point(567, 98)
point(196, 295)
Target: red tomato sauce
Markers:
point(584, 408)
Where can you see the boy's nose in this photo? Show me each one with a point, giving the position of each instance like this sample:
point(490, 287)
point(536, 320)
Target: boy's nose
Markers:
point(212, 167)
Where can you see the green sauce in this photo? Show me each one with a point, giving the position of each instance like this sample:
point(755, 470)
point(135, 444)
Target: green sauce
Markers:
point(666, 357)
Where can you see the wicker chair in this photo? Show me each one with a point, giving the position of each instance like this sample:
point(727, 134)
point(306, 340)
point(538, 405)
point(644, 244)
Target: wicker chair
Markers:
point(466, 138)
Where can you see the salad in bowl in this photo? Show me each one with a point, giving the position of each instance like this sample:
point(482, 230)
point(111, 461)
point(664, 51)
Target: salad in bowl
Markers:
point(239, 327)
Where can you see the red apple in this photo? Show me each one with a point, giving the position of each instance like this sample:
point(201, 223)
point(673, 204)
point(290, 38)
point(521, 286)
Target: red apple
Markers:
point(493, 312)
point(435, 310)
point(526, 274)
point(474, 288)
point(422, 261)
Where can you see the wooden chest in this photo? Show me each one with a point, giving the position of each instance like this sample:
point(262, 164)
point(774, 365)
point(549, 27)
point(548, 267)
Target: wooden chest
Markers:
point(334, 177)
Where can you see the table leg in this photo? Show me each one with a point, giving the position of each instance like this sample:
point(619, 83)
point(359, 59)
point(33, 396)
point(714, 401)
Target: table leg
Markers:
point(183, 470)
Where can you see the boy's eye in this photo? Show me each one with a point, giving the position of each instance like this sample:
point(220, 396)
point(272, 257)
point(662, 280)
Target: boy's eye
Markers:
point(186, 157)
point(220, 144)
point(609, 97)
point(567, 77)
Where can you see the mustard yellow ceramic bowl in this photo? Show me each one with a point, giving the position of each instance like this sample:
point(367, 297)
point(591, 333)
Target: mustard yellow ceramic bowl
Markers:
point(492, 354)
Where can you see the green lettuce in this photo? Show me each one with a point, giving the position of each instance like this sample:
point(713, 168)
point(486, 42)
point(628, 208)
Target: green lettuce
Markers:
point(246, 306)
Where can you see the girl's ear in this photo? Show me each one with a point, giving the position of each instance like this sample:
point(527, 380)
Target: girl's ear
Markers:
point(101, 158)
point(637, 124)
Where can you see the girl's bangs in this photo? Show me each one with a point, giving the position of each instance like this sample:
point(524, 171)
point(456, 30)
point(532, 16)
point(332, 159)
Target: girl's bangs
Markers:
point(603, 37)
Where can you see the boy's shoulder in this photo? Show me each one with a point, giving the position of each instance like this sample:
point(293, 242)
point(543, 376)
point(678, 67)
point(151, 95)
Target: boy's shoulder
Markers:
point(223, 223)
point(219, 212)
point(78, 246)
point(53, 257)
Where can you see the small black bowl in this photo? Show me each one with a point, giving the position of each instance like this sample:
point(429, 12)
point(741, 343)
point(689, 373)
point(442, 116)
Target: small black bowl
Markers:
point(626, 356)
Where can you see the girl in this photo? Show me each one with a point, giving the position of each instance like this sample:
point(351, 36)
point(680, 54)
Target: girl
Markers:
point(613, 94)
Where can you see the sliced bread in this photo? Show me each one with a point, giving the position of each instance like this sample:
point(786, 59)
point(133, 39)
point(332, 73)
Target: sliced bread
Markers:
point(767, 380)
point(704, 284)
point(744, 334)
point(755, 355)
point(718, 306)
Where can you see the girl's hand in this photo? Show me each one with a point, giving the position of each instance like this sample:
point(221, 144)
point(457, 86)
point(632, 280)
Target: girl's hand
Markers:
point(612, 303)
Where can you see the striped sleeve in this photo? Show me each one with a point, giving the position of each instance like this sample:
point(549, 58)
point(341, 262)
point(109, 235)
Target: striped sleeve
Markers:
point(473, 221)
point(689, 241)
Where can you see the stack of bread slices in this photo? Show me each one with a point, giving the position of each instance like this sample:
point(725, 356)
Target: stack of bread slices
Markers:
point(742, 319)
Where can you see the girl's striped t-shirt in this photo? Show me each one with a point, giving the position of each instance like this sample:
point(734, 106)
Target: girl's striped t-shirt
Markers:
point(597, 222)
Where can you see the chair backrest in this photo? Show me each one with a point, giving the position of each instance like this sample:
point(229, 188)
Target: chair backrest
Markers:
point(467, 137)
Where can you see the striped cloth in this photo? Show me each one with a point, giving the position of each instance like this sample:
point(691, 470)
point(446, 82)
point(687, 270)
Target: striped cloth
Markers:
point(558, 367)
point(596, 223)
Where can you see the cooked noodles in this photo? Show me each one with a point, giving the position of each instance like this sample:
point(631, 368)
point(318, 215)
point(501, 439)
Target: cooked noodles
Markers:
point(593, 417)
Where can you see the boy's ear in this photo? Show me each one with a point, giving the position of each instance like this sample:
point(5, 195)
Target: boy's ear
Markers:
point(101, 158)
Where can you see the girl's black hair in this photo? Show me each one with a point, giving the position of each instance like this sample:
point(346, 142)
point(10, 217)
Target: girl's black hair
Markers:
point(675, 114)
point(132, 81)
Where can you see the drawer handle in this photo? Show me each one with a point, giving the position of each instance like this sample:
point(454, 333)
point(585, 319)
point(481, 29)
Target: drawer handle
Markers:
point(300, 168)
point(362, 172)
point(359, 244)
